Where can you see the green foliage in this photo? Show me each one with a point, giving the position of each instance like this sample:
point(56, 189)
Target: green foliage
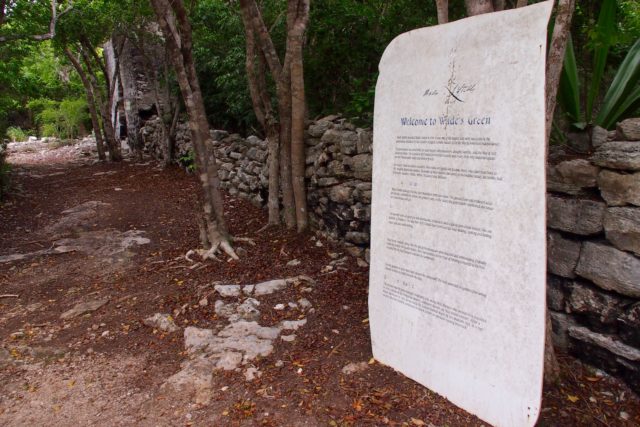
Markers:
point(345, 42)
point(28, 72)
point(60, 119)
point(219, 51)
point(16, 134)
point(188, 161)
point(623, 95)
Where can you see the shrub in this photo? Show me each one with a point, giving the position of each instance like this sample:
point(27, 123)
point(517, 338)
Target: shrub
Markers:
point(16, 134)
point(60, 119)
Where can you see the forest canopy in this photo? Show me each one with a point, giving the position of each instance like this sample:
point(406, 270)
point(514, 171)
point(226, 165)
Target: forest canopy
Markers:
point(343, 44)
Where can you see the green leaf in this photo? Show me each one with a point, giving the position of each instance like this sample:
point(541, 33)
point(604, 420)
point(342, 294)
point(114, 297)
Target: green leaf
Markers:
point(624, 92)
point(569, 89)
point(604, 34)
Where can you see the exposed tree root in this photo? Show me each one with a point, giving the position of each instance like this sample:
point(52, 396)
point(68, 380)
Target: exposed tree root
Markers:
point(223, 246)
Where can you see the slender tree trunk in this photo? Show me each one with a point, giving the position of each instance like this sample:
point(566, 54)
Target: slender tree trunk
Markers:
point(522, 3)
point(176, 29)
point(127, 77)
point(298, 113)
point(91, 102)
point(261, 100)
point(113, 145)
point(478, 7)
point(498, 5)
point(284, 111)
point(442, 6)
point(555, 61)
point(555, 56)
point(294, 204)
point(171, 136)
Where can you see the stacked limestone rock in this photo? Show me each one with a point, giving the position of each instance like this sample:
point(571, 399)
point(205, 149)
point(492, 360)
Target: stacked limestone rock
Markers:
point(339, 163)
point(594, 253)
point(339, 160)
point(155, 142)
point(593, 217)
point(243, 166)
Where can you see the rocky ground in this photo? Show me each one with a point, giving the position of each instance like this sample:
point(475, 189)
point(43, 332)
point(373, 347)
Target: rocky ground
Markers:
point(103, 321)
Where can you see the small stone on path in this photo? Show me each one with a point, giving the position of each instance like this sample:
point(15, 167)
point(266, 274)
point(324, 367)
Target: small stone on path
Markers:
point(161, 321)
point(251, 374)
point(83, 308)
point(227, 291)
point(353, 368)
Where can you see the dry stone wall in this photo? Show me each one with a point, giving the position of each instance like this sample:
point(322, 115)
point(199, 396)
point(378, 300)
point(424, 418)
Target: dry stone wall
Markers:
point(593, 213)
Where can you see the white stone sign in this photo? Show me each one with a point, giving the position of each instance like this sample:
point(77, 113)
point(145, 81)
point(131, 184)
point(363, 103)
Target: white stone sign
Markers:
point(457, 282)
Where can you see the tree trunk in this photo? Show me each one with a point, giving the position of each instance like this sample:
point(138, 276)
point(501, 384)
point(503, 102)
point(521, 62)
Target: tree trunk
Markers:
point(261, 101)
point(127, 75)
point(174, 23)
point(442, 7)
point(171, 135)
point(498, 5)
point(555, 57)
point(522, 3)
point(284, 111)
point(91, 102)
point(113, 145)
point(293, 198)
point(298, 156)
point(555, 61)
point(478, 7)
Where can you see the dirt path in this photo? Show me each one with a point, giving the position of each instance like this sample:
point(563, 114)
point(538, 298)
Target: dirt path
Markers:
point(115, 235)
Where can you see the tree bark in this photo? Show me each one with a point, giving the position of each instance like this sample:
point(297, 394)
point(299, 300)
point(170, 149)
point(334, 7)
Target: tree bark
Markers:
point(256, 76)
point(555, 57)
point(478, 7)
point(171, 136)
point(282, 77)
point(293, 196)
point(176, 29)
point(498, 5)
point(442, 6)
point(296, 37)
point(555, 61)
point(522, 3)
point(113, 145)
point(91, 102)
point(126, 74)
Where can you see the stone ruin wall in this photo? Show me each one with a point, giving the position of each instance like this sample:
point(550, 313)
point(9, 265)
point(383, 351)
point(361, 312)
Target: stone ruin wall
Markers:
point(593, 214)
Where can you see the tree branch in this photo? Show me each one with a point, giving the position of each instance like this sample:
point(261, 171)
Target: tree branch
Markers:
point(254, 16)
point(442, 7)
point(37, 37)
